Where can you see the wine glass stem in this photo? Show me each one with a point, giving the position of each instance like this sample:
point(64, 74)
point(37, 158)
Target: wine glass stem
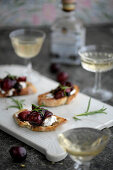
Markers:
point(97, 85)
point(28, 67)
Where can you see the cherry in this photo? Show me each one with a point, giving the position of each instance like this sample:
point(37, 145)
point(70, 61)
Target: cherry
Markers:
point(35, 118)
point(59, 94)
point(23, 116)
point(69, 84)
point(67, 91)
point(18, 153)
point(7, 84)
point(18, 87)
point(21, 79)
point(54, 67)
point(47, 114)
point(62, 76)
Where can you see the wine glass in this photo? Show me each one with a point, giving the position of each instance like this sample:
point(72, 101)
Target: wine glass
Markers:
point(97, 58)
point(27, 44)
point(83, 144)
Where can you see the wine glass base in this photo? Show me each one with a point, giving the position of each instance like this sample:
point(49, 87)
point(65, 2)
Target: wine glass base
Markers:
point(101, 94)
point(76, 166)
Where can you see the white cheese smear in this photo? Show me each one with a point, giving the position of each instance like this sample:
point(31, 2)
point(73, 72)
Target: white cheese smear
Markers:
point(10, 92)
point(49, 121)
point(72, 92)
point(49, 95)
point(23, 84)
point(2, 91)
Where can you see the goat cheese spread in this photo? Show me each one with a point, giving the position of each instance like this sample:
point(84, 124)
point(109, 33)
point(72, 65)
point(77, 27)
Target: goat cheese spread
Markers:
point(10, 92)
point(2, 91)
point(23, 84)
point(49, 95)
point(72, 92)
point(49, 121)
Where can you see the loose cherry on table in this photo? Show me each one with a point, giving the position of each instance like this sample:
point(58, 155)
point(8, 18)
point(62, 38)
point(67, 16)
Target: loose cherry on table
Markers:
point(55, 67)
point(18, 153)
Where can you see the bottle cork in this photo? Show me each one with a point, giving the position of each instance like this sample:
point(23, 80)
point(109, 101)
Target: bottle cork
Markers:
point(68, 5)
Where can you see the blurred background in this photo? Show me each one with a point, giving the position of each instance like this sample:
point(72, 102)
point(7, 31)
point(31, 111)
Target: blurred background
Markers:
point(43, 12)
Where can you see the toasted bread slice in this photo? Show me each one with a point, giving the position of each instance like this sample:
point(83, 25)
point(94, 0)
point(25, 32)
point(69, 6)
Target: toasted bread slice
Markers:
point(26, 124)
point(51, 102)
point(30, 89)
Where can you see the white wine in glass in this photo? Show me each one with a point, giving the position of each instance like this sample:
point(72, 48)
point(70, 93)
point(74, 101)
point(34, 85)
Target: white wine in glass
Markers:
point(98, 59)
point(83, 144)
point(27, 44)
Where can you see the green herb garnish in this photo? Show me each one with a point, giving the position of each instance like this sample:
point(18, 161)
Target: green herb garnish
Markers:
point(12, 77)
point(64, 87)
point(19, 104)
point(38, 109)
point(87, 112)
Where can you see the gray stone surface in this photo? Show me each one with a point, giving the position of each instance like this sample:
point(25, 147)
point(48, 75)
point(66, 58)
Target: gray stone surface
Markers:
point(35, 160)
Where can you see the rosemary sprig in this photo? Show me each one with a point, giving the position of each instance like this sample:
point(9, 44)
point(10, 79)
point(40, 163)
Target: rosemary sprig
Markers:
point(19, 104)
point(10, 75)
point(76, 118)
point(87, 112)
point(38, 109)
point(64, 87)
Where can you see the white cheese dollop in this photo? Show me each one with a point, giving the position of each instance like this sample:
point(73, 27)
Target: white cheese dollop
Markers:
point(72, 92)
point(49, 95)
point(23, 84)
point(2, 91)
point(49, 121)
point(10, 92)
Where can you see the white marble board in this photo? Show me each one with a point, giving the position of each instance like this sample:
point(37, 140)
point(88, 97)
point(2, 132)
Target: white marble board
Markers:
point(46, 142)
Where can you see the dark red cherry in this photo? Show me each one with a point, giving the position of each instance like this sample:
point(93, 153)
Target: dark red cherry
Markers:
point(35, 118)
point(23, 116)
point(59, 94)
point(69, 84)
point(54, 67)
point(47, 114)
point(18, 87)
point(7, 84)
point(62, 76)
point(18, 153)
point(67, 91)
point(21, 78)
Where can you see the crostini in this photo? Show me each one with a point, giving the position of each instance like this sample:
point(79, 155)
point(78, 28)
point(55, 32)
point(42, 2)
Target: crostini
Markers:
point(63, 94)
point(38, 119)
point(15, 86)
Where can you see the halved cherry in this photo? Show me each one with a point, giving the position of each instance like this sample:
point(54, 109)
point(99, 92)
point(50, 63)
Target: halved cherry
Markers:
point(23, 78)
point(35, 118)
point(7, 84)
point(23, 116)
point(47, 114)
point(62, 76)
point(59, 94)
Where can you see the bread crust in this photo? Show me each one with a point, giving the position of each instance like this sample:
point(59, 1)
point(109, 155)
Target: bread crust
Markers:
point(30, 89)
point(26, 124)
point(51, 102)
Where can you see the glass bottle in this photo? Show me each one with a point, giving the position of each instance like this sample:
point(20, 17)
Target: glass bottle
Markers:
point(67, 36)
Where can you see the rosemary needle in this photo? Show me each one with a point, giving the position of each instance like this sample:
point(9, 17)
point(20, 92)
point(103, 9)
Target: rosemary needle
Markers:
point(102, 110)
point(19, 104)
